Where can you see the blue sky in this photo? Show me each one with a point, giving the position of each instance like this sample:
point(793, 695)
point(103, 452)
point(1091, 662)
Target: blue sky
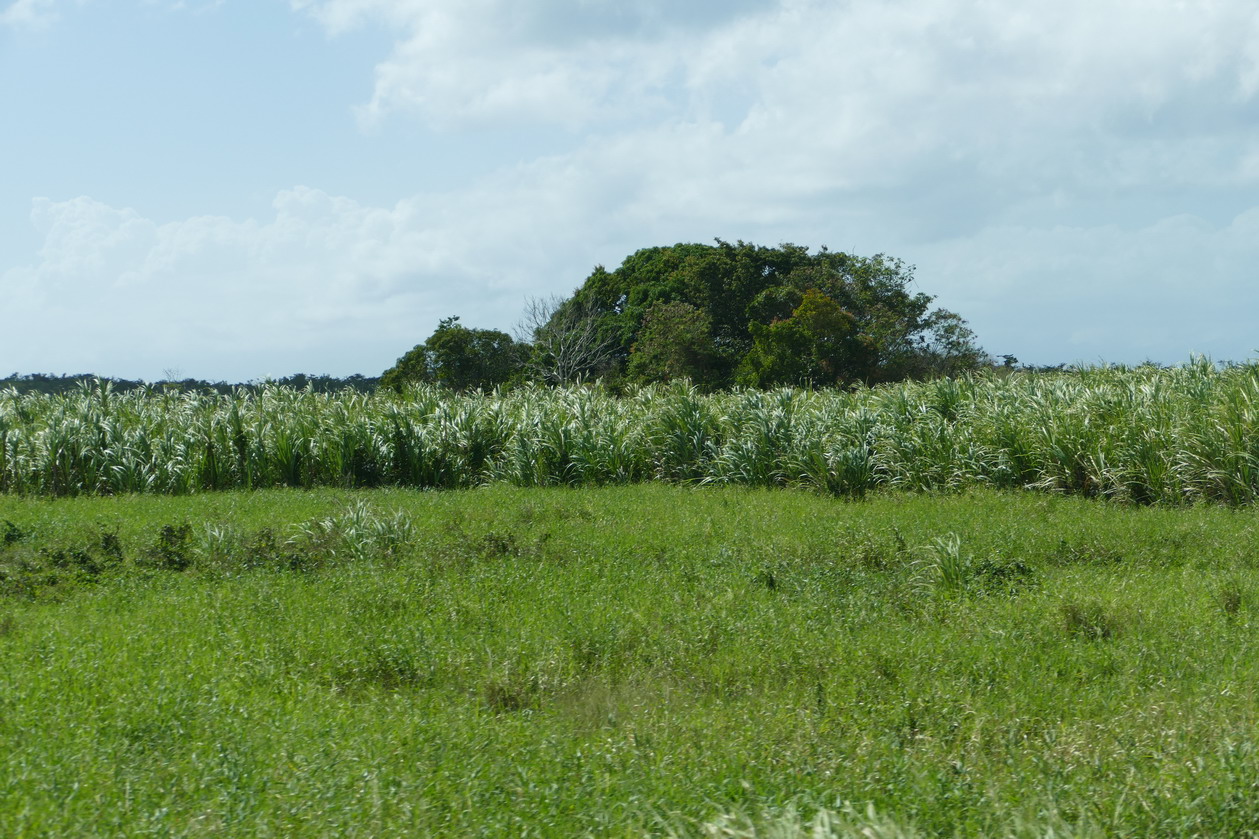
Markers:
point(235, 190)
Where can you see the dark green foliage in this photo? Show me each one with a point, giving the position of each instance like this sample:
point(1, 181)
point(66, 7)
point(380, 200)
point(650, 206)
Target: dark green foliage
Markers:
point(1086, 553)
point(111, 545)
point(51, 383)
point(31, 568)
point(81, 560)
point(265, 550)
point(948, 348)
point(996, 574)
point(381, 666)
point(885, 332)
point(459, 358)
point(819, 345)
point(10, 533)
point(171, 550)
point(514, 691)
point(675, 343)
point(496, 545)
point(323, 383)
point(1231, 597)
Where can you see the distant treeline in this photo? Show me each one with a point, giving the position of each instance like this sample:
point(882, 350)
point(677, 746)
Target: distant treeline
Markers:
point(52, 383)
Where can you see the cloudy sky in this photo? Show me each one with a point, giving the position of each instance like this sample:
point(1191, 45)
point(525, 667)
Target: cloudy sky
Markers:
point(234, 189)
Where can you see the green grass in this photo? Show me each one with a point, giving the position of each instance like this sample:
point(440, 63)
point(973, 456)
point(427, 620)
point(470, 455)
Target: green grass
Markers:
point(625, 661)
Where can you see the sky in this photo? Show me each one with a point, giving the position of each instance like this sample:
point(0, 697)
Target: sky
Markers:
point(240, 189)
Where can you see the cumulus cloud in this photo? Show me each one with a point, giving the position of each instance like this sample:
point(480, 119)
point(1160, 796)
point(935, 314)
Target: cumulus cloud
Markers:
point(458, 58)
point(967, 110)
point(325, 283)
point(574, 63)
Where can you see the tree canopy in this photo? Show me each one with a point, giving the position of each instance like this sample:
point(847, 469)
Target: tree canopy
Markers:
point(739, 313)
point(459, 358)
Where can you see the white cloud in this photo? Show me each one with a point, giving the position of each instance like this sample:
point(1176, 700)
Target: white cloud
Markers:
point(457, 58)
point(28, 13)
point(325, 283)
point(866, 102)
point(575, 63)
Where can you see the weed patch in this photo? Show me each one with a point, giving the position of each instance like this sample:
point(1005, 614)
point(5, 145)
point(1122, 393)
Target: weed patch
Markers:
point(172, 549)
point(30, 571)
point(387, 666)
point(1230, 596)
point(511, 693)
point(1090, 620)
point(10, 533)
point(358, 532)
point(1086, 553)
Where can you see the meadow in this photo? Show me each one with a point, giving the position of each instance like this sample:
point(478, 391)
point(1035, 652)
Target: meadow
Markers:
point(690, 615)
point(645, 660)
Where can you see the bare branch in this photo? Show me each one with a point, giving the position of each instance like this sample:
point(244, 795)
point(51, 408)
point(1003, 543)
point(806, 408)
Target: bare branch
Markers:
point(567, 345)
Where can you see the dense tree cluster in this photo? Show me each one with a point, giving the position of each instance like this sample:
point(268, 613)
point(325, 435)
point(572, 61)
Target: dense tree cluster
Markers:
point(460, 358)
point(720, 315)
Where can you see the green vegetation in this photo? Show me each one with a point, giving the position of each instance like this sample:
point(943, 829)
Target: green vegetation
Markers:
point(1143, 435)
point(777, 316)
point(459, 358)
point(716, 315)
point(625, 661)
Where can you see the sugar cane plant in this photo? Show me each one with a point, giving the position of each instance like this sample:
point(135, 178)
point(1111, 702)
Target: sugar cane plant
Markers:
point(1142, 435)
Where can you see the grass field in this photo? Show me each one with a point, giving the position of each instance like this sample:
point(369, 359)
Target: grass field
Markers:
point(626, 661)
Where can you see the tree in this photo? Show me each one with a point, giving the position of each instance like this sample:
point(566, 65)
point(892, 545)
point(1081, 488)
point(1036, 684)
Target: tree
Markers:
point(568, 344)
point(889, 331)
point(675, 342)
point(951, 349)
point(819, 345)
point(459, 358)
point(718, 280)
